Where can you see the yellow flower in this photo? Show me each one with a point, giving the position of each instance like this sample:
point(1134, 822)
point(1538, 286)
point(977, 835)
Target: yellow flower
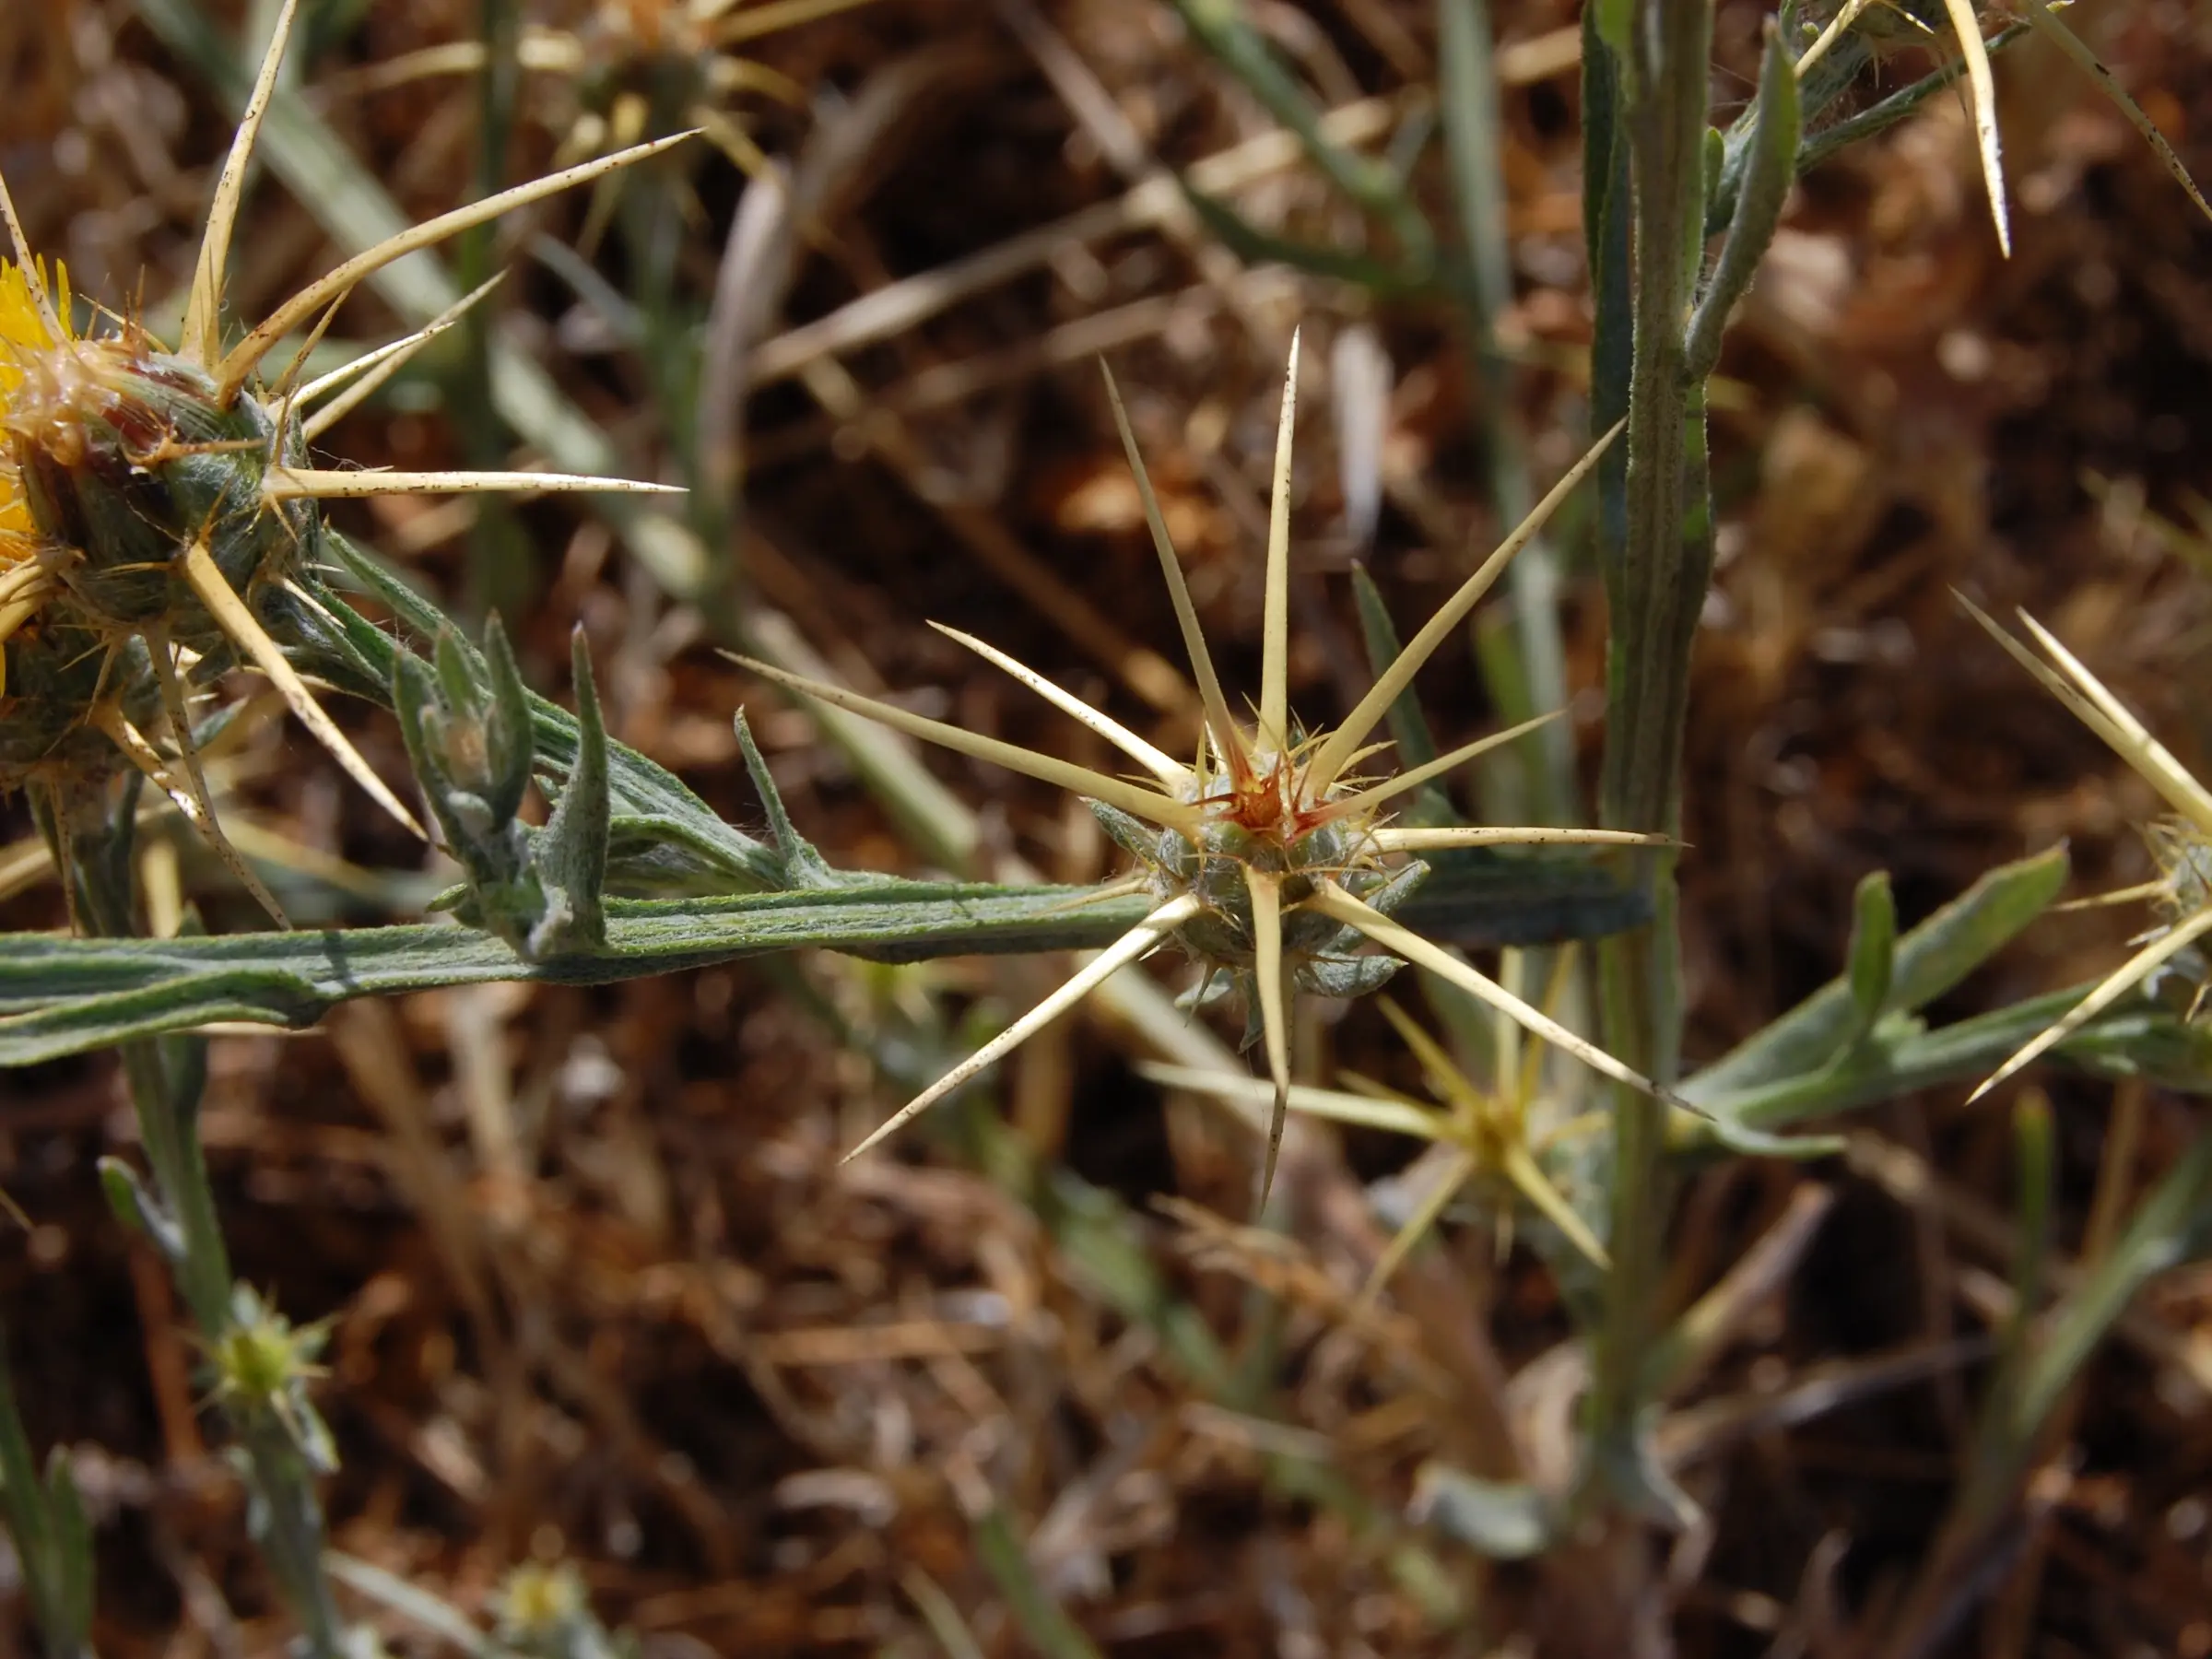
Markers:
point(23, 336)
point(151, 501)
point(1271, 862)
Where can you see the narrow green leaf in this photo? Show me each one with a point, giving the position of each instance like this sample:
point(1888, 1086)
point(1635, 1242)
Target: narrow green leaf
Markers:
point(1506, 1521)
point(1732, 1132)
point(63, 996)
point(427, 712)
point(1408, 726)
point(1221, 27)
point(2170, 1225)
point(1249, 242)
point(1050, 1631)
point(53, 1538)
point(1928, 961)
point(1771, 169)
point(459, 675)
point(663, 838)
point(138, 1210)
point(1819, 92)
point(1629, 1467)
point(70, 1562)
point(19, 1484)
point(1479, 896)
point(570, 853)
point(1933, 957)
point(2130, 1041)
point(508, 746)
point(804, 867)
point(1467, 76)
point(1872, 956)
point(60, 995)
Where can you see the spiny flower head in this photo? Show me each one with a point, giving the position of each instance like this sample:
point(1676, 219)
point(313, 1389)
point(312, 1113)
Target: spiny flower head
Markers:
point(636, 65)
point(2181, 844)
point(536, 1601)
point(48, 677)
point(158, 518)
point(1269, 859)
point(263, 1365)
point(1489, 1133)
point(2183, 853)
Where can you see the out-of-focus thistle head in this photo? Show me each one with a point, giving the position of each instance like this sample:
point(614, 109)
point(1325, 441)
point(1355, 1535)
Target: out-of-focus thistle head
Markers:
point(1486, 1136)
point(635, 67)
point(1270, 858)
point(158, 507)
point(2182, 843)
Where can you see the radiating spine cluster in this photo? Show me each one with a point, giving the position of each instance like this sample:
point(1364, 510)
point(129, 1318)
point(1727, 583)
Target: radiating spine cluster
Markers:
point(1271, 861)
point(2182, 844)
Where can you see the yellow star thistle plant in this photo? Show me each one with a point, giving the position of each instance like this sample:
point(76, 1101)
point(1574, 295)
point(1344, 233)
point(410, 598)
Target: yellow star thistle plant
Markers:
point(1271, 862)
point(2181, 844)
point(157, 517)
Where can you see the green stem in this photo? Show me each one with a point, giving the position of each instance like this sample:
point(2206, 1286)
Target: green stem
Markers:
point(1656, 583)
point(165, 1079)
point(291, 1535)
point(62, 996)
point(165, 1093)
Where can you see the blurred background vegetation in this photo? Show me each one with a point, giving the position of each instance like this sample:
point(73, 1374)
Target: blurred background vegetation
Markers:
point(600, 1293)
